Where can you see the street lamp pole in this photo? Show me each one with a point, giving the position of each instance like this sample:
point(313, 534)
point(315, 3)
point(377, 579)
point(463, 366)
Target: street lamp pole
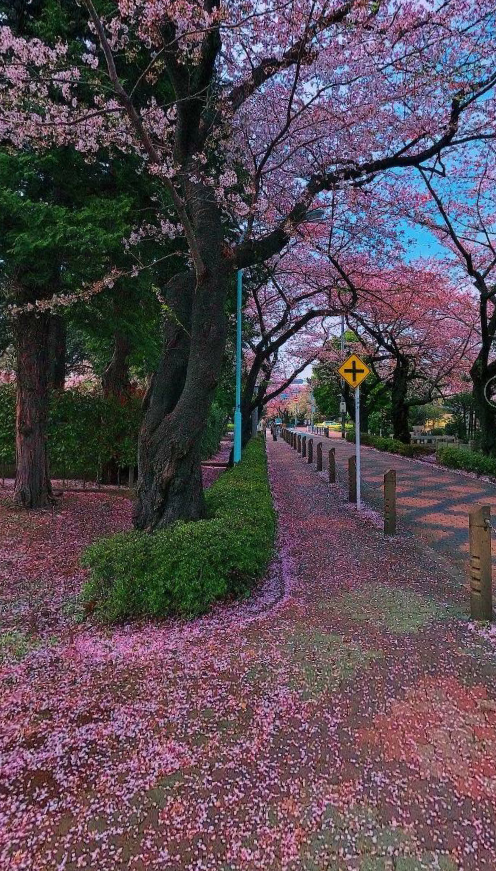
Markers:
point(237, 412)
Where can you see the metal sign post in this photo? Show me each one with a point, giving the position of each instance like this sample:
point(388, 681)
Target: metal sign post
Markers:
point(357, 447)
point(354, 371)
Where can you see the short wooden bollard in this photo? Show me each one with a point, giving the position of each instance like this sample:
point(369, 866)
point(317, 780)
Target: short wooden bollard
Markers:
point(326, 432)
point(390, 502)
point(332, 466)
point(352, 492)
point(303, 446)
point(481, 593)
point(299, 444)
point(310, 451)
point(319, 457)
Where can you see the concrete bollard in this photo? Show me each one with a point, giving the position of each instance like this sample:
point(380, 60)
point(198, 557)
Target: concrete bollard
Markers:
point(299, 443)
point(352, 493)
point(319, 457)
point(303, 446)
point(332, 465)
point(481, 569)
point(326, 432)
point(310, 451)
point(390, 502)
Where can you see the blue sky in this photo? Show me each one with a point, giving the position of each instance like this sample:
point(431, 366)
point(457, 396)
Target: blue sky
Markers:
point(423, 243)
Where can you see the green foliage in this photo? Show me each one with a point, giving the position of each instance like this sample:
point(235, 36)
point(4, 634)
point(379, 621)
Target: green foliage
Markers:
point(391, 446)
point(469, 461)
point(85, 431)
point(462, 408)
point(186, 568)
point(216, 426)
point(375, 396)
point(7, 424)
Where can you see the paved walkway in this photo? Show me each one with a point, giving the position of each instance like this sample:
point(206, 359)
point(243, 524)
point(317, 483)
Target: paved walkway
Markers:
point(344, 721)
point(433, 503)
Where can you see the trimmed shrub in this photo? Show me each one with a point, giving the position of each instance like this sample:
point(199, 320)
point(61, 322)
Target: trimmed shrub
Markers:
point(7, 423)
point(391, 446)
point(214, 430)
point(469, 461)
point(184, 569)
point(87, 430)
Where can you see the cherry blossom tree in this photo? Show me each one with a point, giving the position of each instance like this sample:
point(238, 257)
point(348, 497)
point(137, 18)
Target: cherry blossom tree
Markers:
point(274, 107)
point(460, 211)
point(419, 332)
point(287, 321)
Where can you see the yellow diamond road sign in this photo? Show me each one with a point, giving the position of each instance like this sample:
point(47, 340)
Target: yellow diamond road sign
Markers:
point(354, 370)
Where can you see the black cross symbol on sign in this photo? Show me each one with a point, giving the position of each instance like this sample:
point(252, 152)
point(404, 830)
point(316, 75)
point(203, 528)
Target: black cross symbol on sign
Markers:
point(354, 371)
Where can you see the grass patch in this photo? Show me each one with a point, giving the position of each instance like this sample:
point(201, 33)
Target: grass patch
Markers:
point(320, 661)
point(184, 569)
point(15, 645)
point(469, 461)
point(399, 611)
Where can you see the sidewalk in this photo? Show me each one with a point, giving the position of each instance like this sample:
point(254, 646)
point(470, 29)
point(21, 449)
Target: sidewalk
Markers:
point(433, 503)
point(347, 725)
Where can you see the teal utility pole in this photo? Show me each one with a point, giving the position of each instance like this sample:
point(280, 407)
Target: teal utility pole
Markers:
point(237, 412)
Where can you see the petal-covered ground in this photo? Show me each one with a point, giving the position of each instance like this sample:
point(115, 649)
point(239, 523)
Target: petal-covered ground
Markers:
point(344, 719)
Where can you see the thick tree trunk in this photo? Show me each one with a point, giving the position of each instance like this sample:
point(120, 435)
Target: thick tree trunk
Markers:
point(178, 402)
point(246, 423)
point(486, 413)
point(116, 383)
point(115, 379)
point(400, 409)
point(57, 352)
point(32, 484)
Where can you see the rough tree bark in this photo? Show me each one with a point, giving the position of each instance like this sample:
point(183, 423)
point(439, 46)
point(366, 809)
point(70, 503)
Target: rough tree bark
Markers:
point(399, 405)
point(115, 379)
point(480, 373)
point(116, 383)
point(32, 485)
point(177, 405)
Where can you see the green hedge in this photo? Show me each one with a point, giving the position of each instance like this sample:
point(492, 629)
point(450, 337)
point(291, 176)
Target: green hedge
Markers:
point(215, 429)
point(469, 461)
point(185, 569)
point(391, 446)
point(87, 430)
point(7, 424)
